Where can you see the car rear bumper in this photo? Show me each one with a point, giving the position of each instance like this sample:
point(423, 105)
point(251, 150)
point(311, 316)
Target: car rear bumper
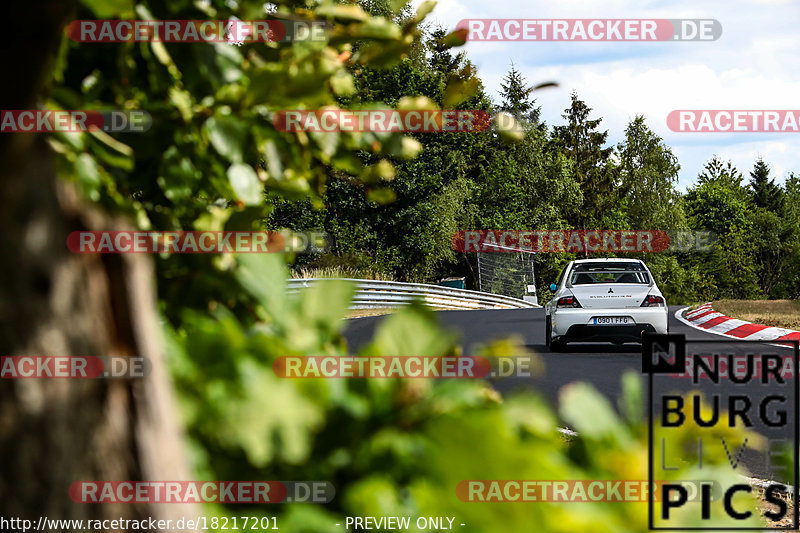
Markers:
point(573, 324)
point(607, 333)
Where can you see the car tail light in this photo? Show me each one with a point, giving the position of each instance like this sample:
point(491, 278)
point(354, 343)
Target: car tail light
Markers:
point(652, 300)
point(568, 301)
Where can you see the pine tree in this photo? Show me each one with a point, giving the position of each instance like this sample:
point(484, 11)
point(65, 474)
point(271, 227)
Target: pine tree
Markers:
point(516, 95)
point(593, 171)
point(442, 60)
point(765, 192)
point(725, 174)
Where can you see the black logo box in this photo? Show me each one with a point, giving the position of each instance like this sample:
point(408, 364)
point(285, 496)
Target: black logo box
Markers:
point(678, 366)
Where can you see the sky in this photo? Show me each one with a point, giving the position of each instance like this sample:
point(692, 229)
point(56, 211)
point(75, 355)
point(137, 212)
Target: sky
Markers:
point(753, 65)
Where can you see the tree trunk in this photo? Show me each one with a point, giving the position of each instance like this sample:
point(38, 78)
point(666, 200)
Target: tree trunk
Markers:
point(54, 432)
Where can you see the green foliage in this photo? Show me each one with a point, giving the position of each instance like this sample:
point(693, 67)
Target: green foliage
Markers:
point(649, 175)
point(213, 160)
point(718, 203)
point(516, 96)
point(722, 174)
point(683, 280)
point(714, 206)
point(592, 169)
point(392, 446)
point(765, 192)
point(757, 245)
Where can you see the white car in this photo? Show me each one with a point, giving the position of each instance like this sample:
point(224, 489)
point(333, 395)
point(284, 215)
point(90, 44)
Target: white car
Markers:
point(610, 300)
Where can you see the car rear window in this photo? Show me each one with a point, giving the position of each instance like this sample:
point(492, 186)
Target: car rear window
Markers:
point(590, 273)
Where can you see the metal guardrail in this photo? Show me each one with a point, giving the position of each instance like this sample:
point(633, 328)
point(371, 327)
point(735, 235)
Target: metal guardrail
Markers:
point(371, 294)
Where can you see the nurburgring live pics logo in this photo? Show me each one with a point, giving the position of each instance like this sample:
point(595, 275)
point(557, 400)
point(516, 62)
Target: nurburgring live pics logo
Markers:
point(760, 400)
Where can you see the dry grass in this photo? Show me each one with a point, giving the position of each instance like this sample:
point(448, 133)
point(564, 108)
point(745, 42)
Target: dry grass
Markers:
point(339, 272)
point(777, 313)
point(358, 313)
point(764, 506)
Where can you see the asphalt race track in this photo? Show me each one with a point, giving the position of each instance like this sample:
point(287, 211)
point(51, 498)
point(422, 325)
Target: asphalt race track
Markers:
point(599, 364)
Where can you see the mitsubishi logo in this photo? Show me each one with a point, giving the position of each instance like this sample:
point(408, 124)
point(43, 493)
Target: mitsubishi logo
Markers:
point(610, 290)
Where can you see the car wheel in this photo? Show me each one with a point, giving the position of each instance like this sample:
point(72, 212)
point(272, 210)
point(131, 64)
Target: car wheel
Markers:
point(557, 345)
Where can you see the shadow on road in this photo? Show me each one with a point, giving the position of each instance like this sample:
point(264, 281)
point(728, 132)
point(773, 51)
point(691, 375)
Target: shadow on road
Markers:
point(600, 348)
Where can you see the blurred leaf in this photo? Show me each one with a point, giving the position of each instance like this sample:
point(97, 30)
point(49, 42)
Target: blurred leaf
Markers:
point(425, 8)
point(455, 38)
point(108, 9)
point(182, 101)
point(378, 28)
point(410, 331)
point(323, 305)
point(272, 159)
point(402, 146)
point(179, 177)
point(459, 90)
point(342, 83)
point(632, 401)
point(347, 163)
point(381, 195)
point(328, 142)
point(227, 135)
point(342, 12)
point(110, 150)
point(416, 103)
point(411, 148)
point(246, 184)
point(508, 128)
point(545, 85)
point(590, 414)
point(264, 276)
point(383, 170)
point(268, 434)
point(88, 175)
point(247, 219)
point(381, 55)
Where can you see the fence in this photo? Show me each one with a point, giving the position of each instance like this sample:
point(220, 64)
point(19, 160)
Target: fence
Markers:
point(507, 273)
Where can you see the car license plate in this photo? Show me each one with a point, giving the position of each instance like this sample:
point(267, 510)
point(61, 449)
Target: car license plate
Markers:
point(611, 321)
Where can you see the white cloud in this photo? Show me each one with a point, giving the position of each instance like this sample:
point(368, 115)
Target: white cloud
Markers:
point(754, 65)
